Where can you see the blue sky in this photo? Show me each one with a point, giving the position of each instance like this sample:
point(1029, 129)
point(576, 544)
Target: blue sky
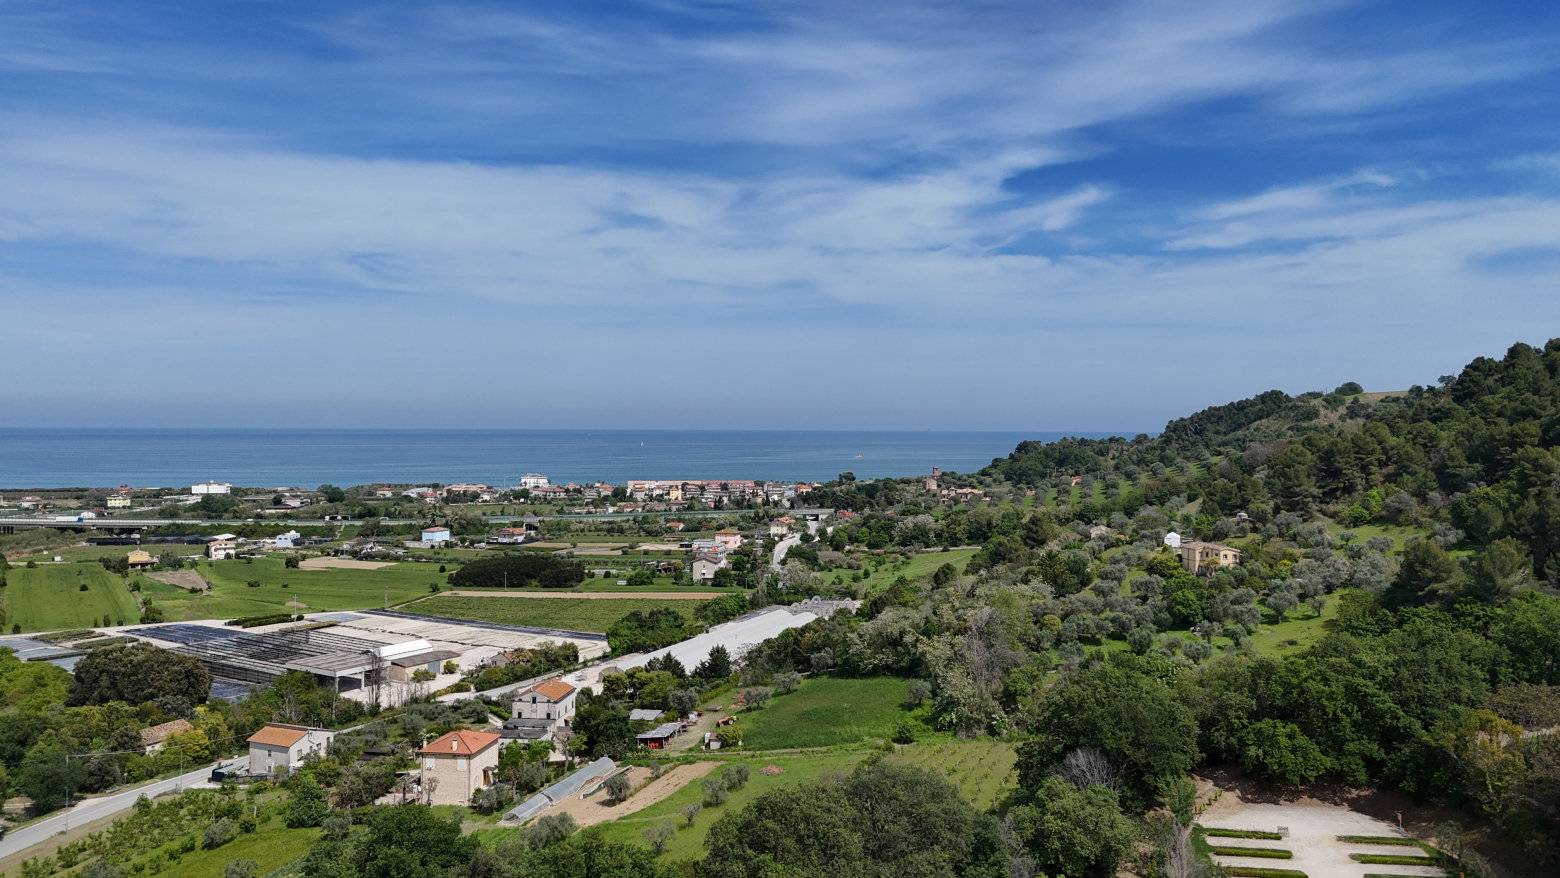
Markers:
point(1032, 215)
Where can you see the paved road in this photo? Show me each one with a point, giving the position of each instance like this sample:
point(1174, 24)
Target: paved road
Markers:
point(781, 548)
point(93, 809)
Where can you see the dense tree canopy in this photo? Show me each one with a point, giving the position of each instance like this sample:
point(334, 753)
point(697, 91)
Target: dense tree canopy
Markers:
point(138, 672)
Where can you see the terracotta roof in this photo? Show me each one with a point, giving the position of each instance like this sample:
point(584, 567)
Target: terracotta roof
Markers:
point(160, 732)
point(278, 735)
point(552, 690)
point(461, 742)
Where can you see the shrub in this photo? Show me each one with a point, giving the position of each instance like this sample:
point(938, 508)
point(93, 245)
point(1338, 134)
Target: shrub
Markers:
point(549, 830)
point(1259, 872)
point(786, 681)
point(219, 834)
point(1375, 839)
point(242, 869)
point(736, 775)
point(715, 792)
point(617, 787)
point(904, 732)
point(658, 834)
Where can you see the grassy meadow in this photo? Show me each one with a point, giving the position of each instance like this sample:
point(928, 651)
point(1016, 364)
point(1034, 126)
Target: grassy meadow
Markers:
point(49, 598)
point(689, 842)
point(826, 712)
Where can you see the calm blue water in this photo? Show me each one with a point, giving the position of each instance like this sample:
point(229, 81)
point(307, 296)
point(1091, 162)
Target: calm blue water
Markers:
point(46, 458)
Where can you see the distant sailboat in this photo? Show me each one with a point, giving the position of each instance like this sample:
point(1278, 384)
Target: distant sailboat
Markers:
point(858, 457)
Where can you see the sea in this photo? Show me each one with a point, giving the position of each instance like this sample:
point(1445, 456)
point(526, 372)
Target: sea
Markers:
point(42, 458)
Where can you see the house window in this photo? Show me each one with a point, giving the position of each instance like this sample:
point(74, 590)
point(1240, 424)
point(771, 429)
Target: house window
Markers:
point(460, 763)
point(428, 765)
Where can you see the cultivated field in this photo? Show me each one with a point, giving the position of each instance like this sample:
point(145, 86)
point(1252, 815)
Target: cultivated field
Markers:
point(50, 598)
point(980, 768)
point(824, 712)
point(578, 614)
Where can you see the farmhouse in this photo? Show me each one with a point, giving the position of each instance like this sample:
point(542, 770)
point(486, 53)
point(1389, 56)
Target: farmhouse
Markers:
point(152, 737)
point(436, 535)
point(118, 500)
point(140, 559)
point(781, 526)
point(279, 746)
point(727, 540)
point(550, 700)
point(457, 764)
point(222, 549)
point(1201, 558)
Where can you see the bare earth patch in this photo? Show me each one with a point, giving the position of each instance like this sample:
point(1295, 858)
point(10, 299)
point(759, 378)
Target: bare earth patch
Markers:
point(183, 579)
point(596, 809)
point(329, 563)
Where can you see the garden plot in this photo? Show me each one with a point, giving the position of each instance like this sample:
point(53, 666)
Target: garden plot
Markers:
point(1313, 833)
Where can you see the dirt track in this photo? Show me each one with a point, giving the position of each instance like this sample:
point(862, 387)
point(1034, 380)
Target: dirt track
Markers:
point(589, 812)
point(592, 595)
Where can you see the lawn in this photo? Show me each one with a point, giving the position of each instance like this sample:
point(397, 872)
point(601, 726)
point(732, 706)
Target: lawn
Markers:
point(923, 564)
point(689, 842)
point(826, 711)
point(49, 597)
point(981, 768)
point(584, 614)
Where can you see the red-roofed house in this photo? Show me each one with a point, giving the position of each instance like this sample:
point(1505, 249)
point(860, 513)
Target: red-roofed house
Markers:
point(457, 764)
point(553, 699)
point(283, 746)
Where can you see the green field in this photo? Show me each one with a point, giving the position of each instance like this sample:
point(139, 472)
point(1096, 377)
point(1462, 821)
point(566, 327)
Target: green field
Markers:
point(922, 564)
point(271, 846)
point(981, 768)
point(826, 711)
point(583, 614)
point(318, 590)
point(49, 598)
point(689, 843)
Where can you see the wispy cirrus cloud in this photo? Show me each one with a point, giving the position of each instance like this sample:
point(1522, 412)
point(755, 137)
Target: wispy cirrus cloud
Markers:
point(1027, 186)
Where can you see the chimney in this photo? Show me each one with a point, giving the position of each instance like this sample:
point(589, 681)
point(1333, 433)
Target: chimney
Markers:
point(454, 744)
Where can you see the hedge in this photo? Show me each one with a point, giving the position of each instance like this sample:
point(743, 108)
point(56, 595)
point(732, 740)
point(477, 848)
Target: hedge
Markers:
point(1378, 839)
point(1394, 860)
point(1264, 853)
point(1242, 833)
point(1255, 872)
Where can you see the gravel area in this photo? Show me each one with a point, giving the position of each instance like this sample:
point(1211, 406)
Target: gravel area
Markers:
point(1313, 830)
